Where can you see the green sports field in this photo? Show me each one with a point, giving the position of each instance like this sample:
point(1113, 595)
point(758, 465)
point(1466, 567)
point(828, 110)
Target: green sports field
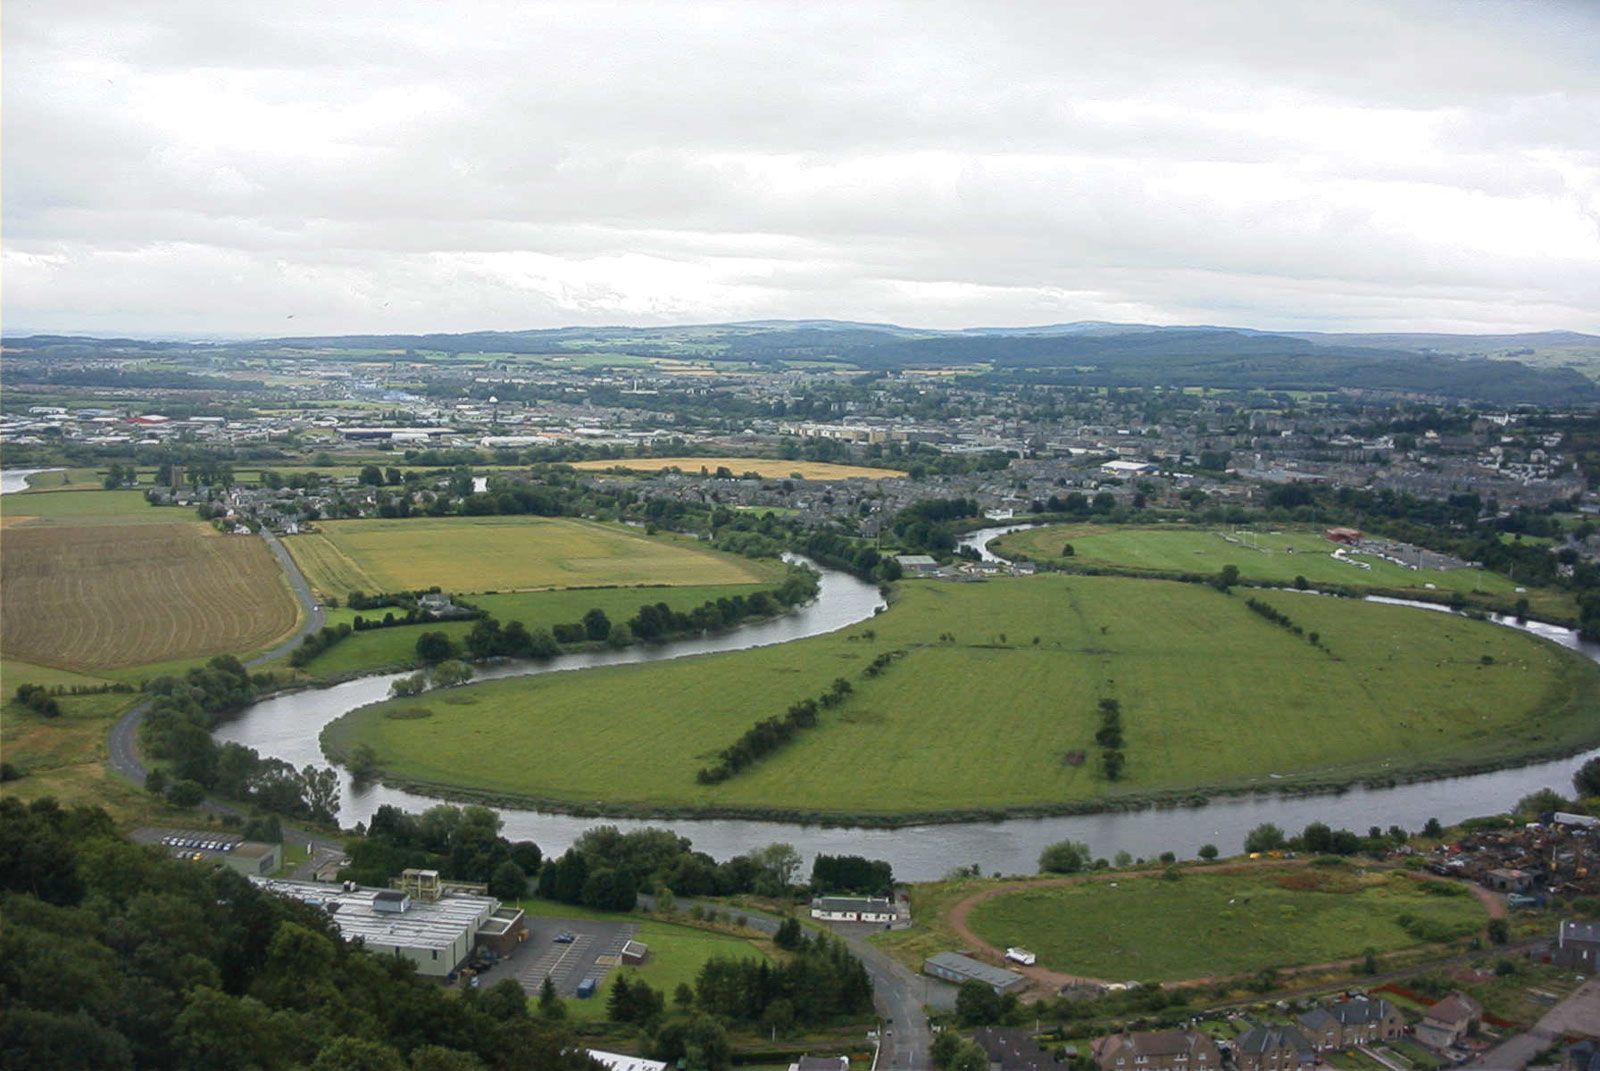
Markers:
point(1215, 925)
point(480, 554)
point(977, 714)
point(1271, 556)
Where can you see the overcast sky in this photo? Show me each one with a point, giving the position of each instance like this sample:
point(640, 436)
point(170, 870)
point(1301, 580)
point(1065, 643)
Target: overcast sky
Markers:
point(227, 169)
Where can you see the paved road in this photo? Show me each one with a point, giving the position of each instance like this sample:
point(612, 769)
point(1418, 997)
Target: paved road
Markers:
point(896, 991)
point(122, 746)
point(1579, 1013)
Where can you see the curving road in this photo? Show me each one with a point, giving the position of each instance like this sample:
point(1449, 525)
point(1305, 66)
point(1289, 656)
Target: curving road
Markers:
point(905, 1038)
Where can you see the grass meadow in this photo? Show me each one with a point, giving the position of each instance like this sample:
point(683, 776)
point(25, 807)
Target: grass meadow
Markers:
point(766, 468)
point(483, 554)
point(996, 691)
point(36, 508)
point(1270, 556)
point(366, 652)
point(1213, 925)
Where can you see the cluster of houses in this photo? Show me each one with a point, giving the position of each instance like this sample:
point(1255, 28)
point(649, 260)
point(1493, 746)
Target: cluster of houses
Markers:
point(1355, 1023)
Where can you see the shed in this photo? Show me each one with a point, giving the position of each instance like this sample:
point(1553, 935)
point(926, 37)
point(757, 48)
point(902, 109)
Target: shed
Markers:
point(954, 967)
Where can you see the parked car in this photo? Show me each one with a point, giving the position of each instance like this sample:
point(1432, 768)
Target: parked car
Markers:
point(565, 937)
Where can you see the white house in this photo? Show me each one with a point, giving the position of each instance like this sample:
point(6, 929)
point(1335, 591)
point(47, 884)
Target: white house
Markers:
point(853, 909)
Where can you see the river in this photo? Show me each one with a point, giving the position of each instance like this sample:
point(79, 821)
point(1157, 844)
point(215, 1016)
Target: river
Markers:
point(288, 727)
point(14, 480)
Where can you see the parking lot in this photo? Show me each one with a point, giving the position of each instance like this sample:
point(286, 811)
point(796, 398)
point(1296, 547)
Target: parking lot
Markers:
point(595, 949)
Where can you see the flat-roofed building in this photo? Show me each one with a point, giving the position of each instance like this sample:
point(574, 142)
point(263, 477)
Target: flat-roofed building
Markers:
point(437, 936)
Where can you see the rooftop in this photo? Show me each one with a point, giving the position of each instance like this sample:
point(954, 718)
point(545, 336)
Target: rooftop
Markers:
point(423, 925)
point(971, 968)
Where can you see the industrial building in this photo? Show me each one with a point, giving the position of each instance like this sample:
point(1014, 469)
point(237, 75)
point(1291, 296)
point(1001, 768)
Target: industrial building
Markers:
point(616, 1061)
point(436, 935)
point(954, 967)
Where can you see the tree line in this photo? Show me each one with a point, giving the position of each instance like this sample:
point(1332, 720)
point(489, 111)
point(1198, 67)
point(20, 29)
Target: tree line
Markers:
point(769, 734)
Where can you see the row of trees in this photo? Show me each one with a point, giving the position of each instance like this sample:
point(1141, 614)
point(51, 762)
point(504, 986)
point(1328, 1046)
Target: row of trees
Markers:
point(769, 734)
point(178, 727)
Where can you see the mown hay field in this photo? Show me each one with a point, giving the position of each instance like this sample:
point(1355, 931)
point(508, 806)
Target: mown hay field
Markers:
point(1230, 923)
point(106, 596)
point(767, 468)
point(999, 688)
point(468, 554)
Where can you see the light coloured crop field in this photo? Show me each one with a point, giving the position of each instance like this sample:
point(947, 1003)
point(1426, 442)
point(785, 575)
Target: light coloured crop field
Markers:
point(767, 468)
point(107, 596)
point(999, 686)
point(468, 554)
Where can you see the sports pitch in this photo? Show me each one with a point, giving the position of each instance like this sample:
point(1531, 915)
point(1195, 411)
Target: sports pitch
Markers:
point(474, 554)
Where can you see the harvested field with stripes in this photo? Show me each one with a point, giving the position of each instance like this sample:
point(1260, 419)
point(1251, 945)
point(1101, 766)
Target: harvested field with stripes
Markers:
point(107, 596)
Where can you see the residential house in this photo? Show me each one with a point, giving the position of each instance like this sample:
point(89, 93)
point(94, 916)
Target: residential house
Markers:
point(1011, 1048)
point(1577, 946)
point(1446, 1023)
point(1272, 1048)
point(1351, 1022)
point(1157, 1050)
point(853, 909)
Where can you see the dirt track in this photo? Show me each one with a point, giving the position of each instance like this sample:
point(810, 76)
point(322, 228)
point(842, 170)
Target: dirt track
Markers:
point(1052, 981)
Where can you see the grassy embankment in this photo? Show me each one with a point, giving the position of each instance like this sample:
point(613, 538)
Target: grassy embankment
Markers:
point(1269, 556)
point(997, 690)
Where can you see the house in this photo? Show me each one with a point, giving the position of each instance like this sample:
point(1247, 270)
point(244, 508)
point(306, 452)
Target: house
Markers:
point(954, 967)
point(853, 909)
point(1584, 1056)
point(1157, 1050)
point(1272, 1048)
point(821, 1063)
point(1577, 946)
point(1447, 1022)
point(1351, 1022)
point(1011, 1048)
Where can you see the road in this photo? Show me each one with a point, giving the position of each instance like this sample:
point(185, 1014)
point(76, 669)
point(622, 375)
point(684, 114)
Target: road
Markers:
point(122, 746)
point(896, 991)
point(1578, 1013)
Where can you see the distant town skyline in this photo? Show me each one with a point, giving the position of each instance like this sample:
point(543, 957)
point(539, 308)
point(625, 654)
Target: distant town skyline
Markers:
point(192, 170)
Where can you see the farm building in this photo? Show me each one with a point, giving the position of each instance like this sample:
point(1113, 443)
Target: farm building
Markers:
point(917, 564)
point(1577, 946)
point(436, 936)
point(852, 909)
point(954, 967)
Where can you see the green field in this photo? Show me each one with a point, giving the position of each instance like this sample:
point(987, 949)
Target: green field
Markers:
point(87, 507)
point(1263, 556)
point(676, 954)
point(467, 554)
point(1212, 925)
point(1213, 697)
point(367, 652)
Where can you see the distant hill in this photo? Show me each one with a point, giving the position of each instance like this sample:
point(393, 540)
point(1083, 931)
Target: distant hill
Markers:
point(1545, 368)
